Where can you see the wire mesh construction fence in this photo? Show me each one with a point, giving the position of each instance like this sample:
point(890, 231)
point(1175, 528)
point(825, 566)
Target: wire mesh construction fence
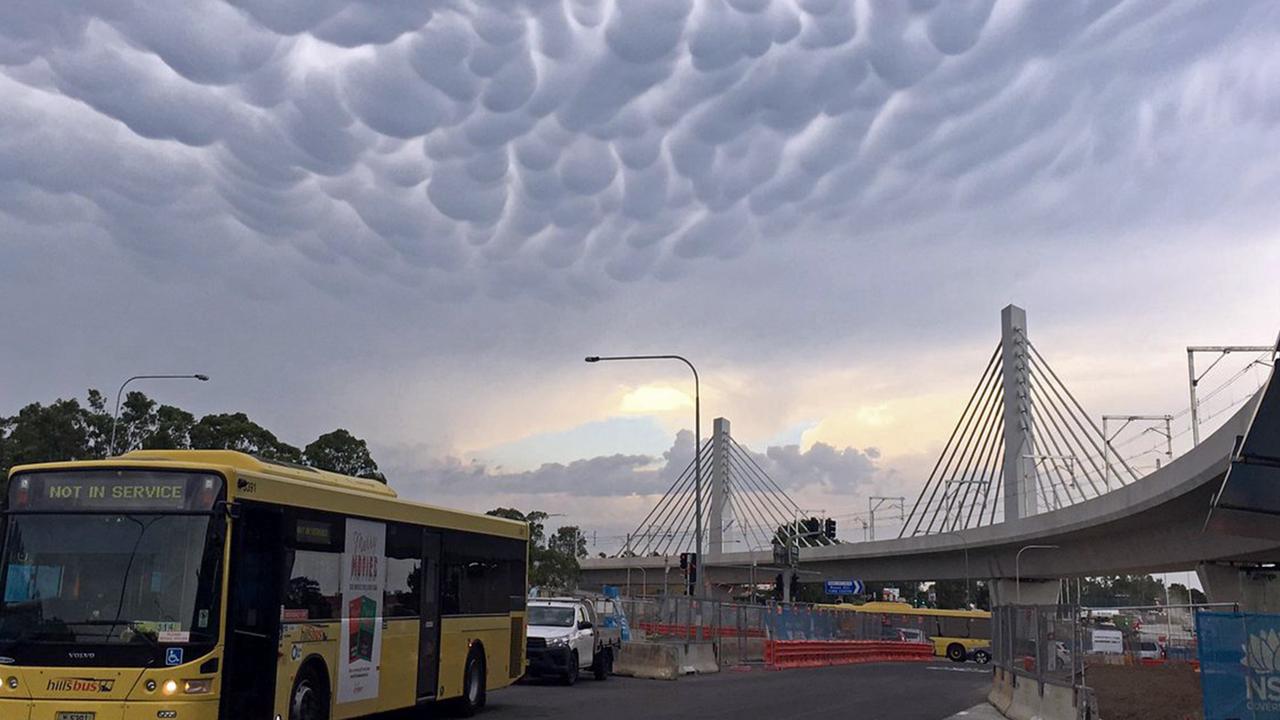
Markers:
point(1104, 653)
point(741, 630)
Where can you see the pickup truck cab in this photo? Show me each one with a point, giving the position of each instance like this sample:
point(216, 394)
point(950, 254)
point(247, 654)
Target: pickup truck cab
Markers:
point(566, 637)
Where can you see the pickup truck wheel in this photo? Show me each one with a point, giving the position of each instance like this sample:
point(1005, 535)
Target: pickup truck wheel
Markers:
point(603, 666)
point(571, 674)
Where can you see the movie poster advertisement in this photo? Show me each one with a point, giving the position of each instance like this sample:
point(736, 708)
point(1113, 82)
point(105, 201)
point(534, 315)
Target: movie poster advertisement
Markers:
point(363, 577)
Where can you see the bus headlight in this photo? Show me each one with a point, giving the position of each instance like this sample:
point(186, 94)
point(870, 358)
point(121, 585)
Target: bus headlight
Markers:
point(170, 687)
point(197, 687)
point(13, 683)
point(150, 686)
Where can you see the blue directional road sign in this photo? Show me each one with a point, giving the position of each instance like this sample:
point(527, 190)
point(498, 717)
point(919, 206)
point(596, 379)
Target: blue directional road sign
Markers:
point(844, 587)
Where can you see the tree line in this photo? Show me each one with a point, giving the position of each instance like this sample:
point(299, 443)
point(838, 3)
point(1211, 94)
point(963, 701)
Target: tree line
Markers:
point(68, 430)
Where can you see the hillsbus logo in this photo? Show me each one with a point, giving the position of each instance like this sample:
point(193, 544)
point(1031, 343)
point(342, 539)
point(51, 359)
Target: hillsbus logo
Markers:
point(1262, 683)
point(81, 685)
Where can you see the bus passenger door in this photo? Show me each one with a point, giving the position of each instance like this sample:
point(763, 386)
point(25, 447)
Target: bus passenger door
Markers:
point(253, 614)
point(429, 635)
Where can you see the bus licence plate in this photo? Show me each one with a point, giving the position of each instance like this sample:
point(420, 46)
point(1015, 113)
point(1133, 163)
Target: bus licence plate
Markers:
point(74, 716)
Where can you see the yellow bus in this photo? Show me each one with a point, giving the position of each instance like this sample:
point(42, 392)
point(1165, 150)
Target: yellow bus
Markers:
point(955, 634)
point(211, 584)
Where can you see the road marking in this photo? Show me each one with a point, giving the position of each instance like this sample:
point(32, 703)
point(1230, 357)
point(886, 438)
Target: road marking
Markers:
point(956, 669)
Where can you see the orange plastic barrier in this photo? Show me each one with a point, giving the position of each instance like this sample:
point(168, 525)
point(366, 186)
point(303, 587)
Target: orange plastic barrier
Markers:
point(1153, 662)
point(820, 653)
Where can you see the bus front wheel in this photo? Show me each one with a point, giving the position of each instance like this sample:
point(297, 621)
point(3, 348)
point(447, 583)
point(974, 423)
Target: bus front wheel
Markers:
point(309, 699)
point(955, 652)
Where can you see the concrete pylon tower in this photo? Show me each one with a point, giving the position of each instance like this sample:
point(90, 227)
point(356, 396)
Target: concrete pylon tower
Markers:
point(719, 487)
point(1019, 484)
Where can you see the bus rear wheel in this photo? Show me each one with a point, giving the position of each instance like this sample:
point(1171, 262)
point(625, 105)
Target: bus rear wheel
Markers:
point(309, 699)
point(955, 652)
point(473, 685)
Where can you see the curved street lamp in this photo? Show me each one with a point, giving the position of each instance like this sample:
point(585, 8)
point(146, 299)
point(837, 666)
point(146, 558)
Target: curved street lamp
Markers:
point(1017, 570)
point(697, 443)
point(111, 449)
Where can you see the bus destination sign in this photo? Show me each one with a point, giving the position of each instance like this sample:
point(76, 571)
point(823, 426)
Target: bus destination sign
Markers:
point(113, 490)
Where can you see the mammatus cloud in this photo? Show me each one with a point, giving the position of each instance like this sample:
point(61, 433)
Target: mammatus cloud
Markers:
point(552, 147)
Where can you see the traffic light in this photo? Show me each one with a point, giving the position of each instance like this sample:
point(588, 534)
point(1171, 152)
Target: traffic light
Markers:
point(829, 529)
point(689, 563)
point(777, 587)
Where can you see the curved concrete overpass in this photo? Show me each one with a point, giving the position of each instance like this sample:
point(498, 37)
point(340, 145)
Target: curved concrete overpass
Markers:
point(1154, 524)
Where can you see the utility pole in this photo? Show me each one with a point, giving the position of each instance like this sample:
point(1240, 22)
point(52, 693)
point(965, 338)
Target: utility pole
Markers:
point(1128, 419)
point(875, 502)
point(1194, 380)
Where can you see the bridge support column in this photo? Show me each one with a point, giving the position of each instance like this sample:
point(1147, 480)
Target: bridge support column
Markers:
point(1019, 489)
point(719, 486)
point(1005, 591)
point(1253, 589)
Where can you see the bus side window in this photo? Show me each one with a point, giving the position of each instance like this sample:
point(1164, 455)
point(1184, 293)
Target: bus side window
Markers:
point(402, 595)
point(314, 557)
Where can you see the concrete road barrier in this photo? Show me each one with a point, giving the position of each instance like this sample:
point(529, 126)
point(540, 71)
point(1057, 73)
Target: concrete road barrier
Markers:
point(699, 658)
point(650, 660)
point(1023, 699)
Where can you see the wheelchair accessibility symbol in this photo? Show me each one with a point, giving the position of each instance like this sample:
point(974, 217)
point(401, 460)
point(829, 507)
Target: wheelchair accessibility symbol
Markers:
point(173, 656)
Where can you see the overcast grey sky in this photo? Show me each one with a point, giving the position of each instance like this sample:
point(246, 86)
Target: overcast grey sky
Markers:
point(412, 219)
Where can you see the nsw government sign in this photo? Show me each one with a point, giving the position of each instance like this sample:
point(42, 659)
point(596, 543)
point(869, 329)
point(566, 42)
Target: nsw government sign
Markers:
point(844, 587)
point(1239, 665)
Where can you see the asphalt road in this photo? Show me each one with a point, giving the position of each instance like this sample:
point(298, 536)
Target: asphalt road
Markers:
point(902, 691)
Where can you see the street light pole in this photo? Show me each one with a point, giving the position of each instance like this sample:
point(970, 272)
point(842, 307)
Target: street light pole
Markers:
point(1017, 570)
point(697, 444)
point(111, 449)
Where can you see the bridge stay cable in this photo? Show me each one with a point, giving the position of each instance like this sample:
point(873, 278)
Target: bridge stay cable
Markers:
point(1059, 463)
point(667, 508)
point(1088, 427)
point(991, 384)
point(752, 499)
point(969, 478)
point(780, 509)
point(768, 516)
point(932, 484)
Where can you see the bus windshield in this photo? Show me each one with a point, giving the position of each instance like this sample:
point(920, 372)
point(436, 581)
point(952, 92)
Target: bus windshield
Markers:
point(110, 577)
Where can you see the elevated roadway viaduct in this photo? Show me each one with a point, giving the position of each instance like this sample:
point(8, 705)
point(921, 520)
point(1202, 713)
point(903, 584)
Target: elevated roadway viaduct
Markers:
point(1154, 524)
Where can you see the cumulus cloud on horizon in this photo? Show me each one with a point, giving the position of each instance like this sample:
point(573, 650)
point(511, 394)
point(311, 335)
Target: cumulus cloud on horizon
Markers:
point(821, 467)
point(552, 147)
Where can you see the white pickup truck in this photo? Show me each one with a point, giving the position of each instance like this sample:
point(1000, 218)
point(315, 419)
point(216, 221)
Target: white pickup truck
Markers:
point(566, 638)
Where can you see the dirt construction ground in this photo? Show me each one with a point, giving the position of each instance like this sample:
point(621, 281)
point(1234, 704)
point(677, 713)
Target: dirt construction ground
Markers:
point(1128, 692)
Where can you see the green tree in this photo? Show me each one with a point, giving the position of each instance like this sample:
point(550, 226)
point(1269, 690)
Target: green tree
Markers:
point(41, 433)
point(570, 541)
point(1180, 594)
point(949, 594)
point(172, 429)
point(342, 452)
point(235, 431)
